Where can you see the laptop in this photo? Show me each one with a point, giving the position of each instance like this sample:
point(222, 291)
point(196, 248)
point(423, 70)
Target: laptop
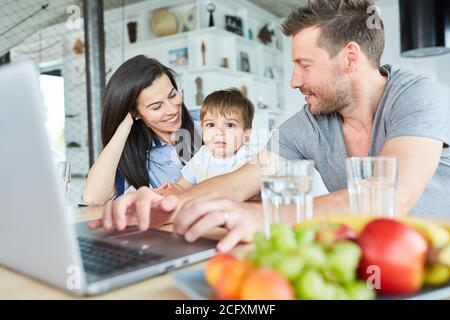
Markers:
point(37, 235)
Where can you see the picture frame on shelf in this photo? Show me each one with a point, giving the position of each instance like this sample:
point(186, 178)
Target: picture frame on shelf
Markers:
point(277, 73)
point(272, 124)
point(244, 62)
point(234, 24)
point(179, 57)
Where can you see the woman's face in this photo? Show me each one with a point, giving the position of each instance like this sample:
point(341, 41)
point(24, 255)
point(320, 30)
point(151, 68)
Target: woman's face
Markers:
point(159, 106)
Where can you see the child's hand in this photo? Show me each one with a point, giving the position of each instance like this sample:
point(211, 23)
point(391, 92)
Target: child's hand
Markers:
point(168, 188)
point(161, 188)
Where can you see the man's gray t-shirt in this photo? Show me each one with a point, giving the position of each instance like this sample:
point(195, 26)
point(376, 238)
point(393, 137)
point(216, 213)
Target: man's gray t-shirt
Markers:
point(412, 105)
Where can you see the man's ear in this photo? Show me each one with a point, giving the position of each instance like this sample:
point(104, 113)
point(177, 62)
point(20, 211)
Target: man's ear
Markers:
point(353, 53)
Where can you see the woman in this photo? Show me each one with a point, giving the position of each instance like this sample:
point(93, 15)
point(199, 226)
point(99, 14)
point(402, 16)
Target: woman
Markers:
point(147, 132)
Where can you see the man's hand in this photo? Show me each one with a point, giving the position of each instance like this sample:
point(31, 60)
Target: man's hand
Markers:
point(144, 208)
point(198, 216)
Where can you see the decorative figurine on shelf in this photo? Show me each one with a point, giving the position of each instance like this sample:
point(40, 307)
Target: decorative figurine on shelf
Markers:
point(261, 105)
point(225, 63)
point(266, 34)
point(163, 23)
point(211, 7)
point(244, 90)
point(199, 96)
point(188, 20)
point(268, 73)
point(203, 53)
point(132, 31)
point(78, 47)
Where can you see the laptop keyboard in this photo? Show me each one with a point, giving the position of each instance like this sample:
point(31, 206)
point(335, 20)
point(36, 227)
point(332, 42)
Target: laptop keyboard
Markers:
point(102, 258)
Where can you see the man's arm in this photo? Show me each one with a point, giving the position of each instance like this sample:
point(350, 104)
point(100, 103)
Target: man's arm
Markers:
point(238, 185)
point(418, 160)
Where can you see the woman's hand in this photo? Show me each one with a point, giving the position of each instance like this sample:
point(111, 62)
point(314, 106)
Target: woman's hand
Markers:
point(198, 216)
point(127, 123)
point(143, 208)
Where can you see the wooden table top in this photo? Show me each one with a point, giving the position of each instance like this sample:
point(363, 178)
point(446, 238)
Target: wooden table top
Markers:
point(14, 285)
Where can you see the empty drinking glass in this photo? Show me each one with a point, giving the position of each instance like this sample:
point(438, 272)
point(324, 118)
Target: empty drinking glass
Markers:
point(285, 185)
point(64, 172)
point(372, 185)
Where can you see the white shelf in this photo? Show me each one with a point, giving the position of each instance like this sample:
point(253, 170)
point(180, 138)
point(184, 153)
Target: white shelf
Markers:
point(205, 31)
point(271, 50)
point(155, 41)
point(226, 71)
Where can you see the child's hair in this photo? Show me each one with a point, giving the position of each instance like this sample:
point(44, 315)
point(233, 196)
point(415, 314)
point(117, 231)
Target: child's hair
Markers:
point(229, 101)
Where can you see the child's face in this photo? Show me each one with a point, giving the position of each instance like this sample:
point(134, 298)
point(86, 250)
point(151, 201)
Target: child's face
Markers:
point(223, 135)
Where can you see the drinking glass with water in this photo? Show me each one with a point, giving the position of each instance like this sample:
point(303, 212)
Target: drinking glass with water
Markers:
point(284, 191)
point(372, 185)
point(64, 172)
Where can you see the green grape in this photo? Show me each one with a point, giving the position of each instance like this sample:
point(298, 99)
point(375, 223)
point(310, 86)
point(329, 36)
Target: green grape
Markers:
point(359, 291)
point(258, 238)
point(343, 261)
point(270, 259)
point(314, 256)
point(340, 293)
point(305, 236)
point(282, 237)
point(290, 266)
point(312, 286)
point(330, 292)
point(262, 244)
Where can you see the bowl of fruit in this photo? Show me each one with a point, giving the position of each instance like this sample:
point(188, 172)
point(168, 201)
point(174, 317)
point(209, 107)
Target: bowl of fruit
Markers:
point(332, 258)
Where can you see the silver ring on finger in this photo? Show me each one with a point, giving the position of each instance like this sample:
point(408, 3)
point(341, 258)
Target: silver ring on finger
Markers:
point(226, 217)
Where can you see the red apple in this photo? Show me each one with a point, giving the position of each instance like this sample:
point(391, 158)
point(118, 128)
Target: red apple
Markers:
point(397, 251)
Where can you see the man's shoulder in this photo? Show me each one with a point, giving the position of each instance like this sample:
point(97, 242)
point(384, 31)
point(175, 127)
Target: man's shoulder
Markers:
point(301, 117)
point(403, 80)
point(305, 123)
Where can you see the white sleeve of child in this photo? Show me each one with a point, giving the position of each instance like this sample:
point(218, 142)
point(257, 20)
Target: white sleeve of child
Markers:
point(189, 171)
point(245, 155)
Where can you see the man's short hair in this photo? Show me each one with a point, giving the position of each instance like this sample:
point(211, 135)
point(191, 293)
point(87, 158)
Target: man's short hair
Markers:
point(341, 21)
point(226, 102)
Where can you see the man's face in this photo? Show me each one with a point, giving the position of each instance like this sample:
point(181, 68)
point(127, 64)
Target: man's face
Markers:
point(319, 78)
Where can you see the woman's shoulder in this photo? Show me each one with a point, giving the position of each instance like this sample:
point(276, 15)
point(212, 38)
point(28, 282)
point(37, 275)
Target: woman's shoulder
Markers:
point(195, 114)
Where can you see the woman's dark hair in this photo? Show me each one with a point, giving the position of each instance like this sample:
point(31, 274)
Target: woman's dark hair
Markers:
point(120, 97)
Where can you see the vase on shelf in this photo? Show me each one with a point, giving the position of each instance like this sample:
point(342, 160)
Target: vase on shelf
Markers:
point(132, 31)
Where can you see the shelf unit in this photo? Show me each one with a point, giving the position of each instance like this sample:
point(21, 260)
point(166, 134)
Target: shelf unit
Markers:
point(264, 82)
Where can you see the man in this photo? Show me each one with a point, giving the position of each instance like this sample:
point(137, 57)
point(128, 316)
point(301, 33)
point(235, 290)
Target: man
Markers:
point(354, 108)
